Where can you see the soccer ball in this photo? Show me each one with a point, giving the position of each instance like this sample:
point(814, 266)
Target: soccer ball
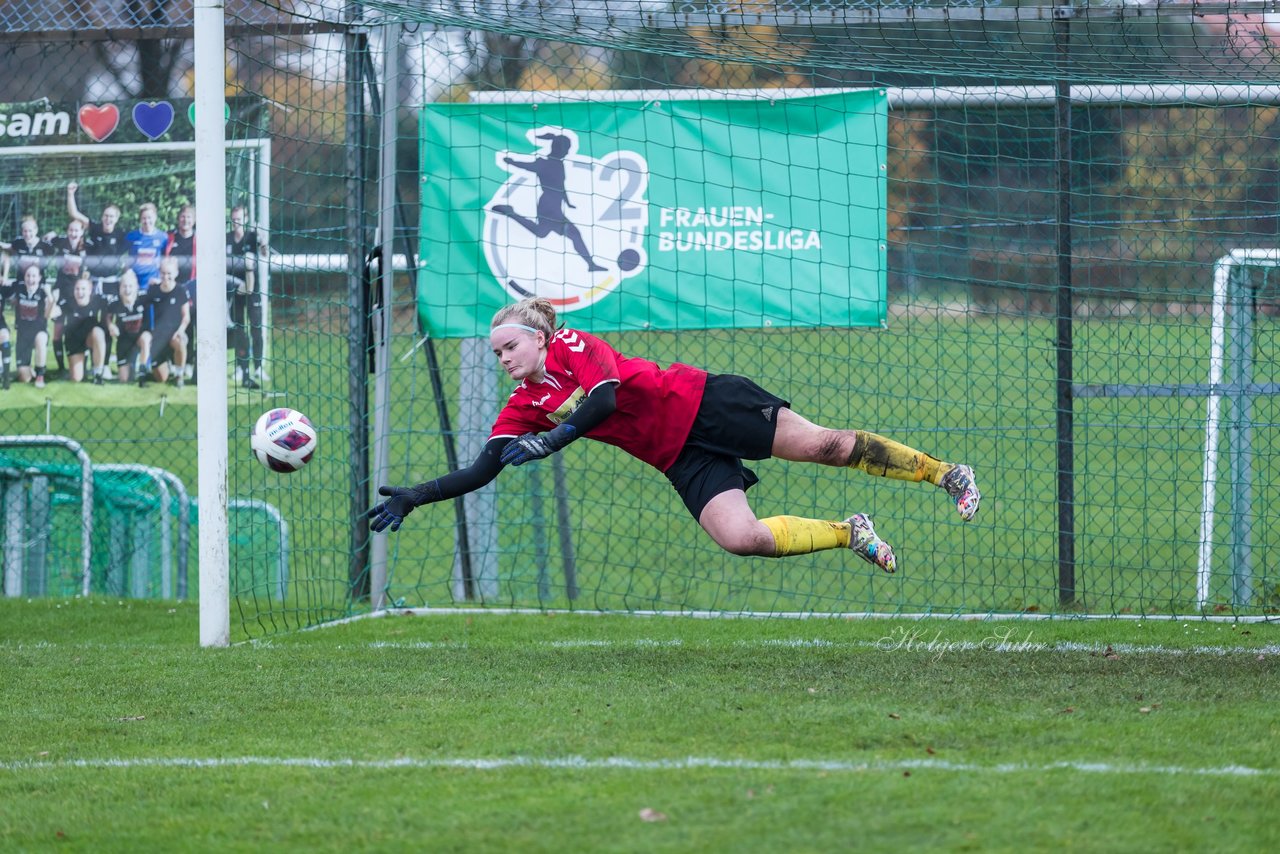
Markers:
point(283, 440)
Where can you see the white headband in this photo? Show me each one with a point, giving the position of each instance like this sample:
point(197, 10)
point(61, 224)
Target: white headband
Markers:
point(514, 326)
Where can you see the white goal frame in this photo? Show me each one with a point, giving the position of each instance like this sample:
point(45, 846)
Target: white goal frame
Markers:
point(1232, 313)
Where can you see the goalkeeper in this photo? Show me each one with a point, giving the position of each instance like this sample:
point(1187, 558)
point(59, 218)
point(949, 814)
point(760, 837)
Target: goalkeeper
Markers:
point(694, 427)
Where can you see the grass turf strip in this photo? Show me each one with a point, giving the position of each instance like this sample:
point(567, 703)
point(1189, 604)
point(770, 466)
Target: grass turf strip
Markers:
point(560, 732)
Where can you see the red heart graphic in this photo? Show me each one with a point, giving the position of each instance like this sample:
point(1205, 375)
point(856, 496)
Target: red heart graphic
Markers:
point(99, 122)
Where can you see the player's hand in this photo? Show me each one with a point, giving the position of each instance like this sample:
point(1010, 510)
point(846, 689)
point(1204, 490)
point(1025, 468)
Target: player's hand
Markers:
point(535, 446)
point(401, 500)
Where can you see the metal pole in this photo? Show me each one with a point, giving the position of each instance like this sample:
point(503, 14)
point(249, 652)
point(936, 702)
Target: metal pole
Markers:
point(356, 44)
point(1240, 434)
point(1064, 406)
point(383, 314)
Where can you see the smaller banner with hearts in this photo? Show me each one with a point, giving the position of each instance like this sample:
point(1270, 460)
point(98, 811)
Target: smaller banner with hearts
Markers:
point(45, 122)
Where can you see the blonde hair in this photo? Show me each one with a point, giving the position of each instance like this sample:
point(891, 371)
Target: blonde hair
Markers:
point(534, 312)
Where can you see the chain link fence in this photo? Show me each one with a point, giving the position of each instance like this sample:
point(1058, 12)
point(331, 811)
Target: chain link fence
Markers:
point(1065, 188)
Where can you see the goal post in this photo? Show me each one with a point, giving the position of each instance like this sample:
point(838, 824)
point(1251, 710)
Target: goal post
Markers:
point(211, 330)
point(1231, 377)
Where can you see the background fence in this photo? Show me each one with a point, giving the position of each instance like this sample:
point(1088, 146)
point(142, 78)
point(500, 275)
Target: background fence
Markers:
point(1061, 182)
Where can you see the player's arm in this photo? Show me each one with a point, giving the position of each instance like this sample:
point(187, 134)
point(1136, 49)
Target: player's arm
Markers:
point(599, 405)
point(186, 318)
point(72, 210)
point(401, 500)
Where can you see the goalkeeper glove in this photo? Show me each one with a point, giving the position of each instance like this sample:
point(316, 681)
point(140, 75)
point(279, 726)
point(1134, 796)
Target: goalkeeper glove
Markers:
point(400, 503)
point(535, 446)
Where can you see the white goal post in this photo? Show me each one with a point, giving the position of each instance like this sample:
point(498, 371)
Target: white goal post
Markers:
point(1231, 350)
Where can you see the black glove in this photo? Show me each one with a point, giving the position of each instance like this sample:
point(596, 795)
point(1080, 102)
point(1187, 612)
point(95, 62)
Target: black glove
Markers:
point(400, 503)
point(535, 446)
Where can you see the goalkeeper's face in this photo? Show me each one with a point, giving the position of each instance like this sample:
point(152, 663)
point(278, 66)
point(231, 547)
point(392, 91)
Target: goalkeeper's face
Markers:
point(521, 353)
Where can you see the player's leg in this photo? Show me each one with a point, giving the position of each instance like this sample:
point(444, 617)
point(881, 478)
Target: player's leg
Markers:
point(125, 355)
point(713, 487)
point(144, 355)
point(4, 356)
point(732, 524)
point(238, 338)
point(178, 344)
point(40, 356)
point(161, 353)
point(800, 440)
point(730, 521)
point(98, 349)
point(74, 345)
point(59, 353)
point(75, 366)
point(26, 342)
point(255, 312)
point(189, 358)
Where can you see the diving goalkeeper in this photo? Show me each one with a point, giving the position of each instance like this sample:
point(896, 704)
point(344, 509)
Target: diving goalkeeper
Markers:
point(694, 427)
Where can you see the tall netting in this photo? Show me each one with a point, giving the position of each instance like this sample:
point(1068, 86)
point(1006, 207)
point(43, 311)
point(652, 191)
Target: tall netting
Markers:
point(1038, 239)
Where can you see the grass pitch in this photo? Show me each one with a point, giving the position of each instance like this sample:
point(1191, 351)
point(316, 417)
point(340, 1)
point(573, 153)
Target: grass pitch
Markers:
point(555, 733)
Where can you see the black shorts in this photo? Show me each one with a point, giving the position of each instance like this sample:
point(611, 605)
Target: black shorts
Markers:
point(127, 348)
point(26, 343)
point(736, 421)
point(162, 344)
point(75, 337)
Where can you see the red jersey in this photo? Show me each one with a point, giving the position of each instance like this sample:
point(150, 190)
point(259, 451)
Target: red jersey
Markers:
point(655, 406)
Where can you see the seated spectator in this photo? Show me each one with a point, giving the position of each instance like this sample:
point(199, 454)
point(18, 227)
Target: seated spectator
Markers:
point(126, 321)
point(170, 311)
point(81, 316)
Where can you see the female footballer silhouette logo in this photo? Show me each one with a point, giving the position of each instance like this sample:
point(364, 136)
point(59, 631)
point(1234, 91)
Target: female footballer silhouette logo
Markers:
point(566, 227)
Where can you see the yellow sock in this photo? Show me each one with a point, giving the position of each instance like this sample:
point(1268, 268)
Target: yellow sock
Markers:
point(883, 457)
point(793, 535)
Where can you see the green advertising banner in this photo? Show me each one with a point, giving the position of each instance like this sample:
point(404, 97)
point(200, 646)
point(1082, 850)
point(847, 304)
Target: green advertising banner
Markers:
point(684, 214)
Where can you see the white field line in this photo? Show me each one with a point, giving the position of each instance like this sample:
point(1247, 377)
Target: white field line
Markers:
point(908, 642)
point(978, 617)
point(622, 763)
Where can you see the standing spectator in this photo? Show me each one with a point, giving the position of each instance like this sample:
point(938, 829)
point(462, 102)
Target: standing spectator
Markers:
point(31, 310)
point(68, 263)
point(6, 293)
point(108, 249)
point(170, 310)
point(81, 315)
point(182, 246)
point(126, 321)
point(27, 248)
point(147, 245)
point(243, 247)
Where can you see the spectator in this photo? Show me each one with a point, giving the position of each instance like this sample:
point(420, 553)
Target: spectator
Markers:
point(182, 246)
point(126, 321)
point(147, 246)
point(108, 247)
point(68, 263)
point(31, 310)
point(170, 310)
point(6, 293)
point(27, 248)
point(243, 248)
point(80, 313)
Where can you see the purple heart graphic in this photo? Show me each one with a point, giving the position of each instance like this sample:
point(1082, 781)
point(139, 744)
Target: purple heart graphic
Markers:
point(153, 118)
